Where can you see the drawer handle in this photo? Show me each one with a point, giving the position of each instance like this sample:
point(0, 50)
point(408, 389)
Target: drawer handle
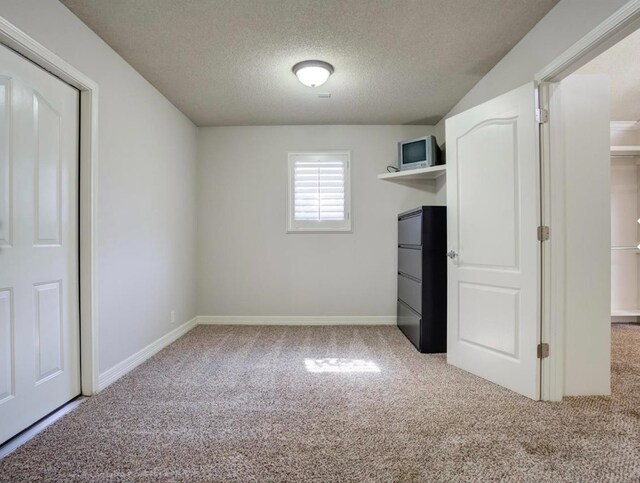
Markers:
point(452, 254)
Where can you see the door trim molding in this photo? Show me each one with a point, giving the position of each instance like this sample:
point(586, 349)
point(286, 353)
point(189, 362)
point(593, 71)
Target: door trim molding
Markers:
point(620, 24)
point(19, 41)
point(605, 35)
point(552, 324)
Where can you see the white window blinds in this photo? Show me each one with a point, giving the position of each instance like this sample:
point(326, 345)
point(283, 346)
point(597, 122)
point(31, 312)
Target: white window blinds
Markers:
point(319, 192)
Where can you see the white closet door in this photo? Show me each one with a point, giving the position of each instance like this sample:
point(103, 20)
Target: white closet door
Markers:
point(624, 235)
point(39, 325)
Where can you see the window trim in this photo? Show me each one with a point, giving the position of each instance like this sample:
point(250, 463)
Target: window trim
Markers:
point(323, 227)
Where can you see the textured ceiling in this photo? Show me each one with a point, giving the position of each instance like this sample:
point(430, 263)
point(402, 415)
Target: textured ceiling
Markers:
point(621, 63)
point(228, 62)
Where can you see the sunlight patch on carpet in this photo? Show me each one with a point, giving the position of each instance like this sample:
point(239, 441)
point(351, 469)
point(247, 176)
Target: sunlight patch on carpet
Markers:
point(334, 364)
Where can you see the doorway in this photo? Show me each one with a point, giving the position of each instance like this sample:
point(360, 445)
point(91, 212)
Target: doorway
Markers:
point(590, 196)
point(620, 68)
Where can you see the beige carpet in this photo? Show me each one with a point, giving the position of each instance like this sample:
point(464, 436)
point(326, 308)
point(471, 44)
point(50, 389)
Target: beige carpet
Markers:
point(263, 404)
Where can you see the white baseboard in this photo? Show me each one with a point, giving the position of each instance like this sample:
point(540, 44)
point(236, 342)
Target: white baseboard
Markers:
point(133, 361)
point(624, 319)
point(295, 320)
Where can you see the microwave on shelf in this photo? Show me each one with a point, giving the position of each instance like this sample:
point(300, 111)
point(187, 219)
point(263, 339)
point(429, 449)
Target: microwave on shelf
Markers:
point(419, 153)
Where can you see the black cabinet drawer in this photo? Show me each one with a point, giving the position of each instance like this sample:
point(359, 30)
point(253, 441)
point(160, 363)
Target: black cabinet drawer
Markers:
point(410, 230)
point(410, 292)
point(409, 323)
point(410, 262)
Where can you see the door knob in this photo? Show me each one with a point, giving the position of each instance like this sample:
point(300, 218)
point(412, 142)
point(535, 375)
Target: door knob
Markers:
point(452, 254)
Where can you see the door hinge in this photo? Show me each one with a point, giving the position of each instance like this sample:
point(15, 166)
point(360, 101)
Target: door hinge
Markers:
point(543, 233)
point(542, 116)
point(543, 350)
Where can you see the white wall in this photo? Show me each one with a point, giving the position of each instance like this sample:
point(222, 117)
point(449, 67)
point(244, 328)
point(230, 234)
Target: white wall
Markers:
point(146, 203)
point(563, 26)
point(587, 235)
point(249, 265)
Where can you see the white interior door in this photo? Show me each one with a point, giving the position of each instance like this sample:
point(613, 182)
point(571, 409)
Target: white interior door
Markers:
point(39, 325)
point(492, 218)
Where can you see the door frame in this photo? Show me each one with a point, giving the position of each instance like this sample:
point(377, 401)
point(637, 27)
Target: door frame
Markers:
point(18, 41)
point(620, 24)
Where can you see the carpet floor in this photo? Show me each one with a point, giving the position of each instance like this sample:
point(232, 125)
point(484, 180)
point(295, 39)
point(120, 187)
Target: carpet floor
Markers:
point(328, 404)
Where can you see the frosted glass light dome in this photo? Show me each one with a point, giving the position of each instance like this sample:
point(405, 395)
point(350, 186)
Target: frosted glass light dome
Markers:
point(313, 73)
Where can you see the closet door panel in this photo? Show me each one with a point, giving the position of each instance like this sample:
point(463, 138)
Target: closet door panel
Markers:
point(624, 280)
point(624, 202)
point(625, 275)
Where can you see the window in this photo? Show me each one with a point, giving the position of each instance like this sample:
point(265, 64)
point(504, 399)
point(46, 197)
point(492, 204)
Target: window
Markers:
point(319, 192)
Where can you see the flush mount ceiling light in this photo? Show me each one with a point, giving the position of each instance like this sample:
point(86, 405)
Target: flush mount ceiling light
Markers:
point(312, 73)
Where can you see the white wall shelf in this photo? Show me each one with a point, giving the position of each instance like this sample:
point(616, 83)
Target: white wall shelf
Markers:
point(625, 151)
point(432, 172)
